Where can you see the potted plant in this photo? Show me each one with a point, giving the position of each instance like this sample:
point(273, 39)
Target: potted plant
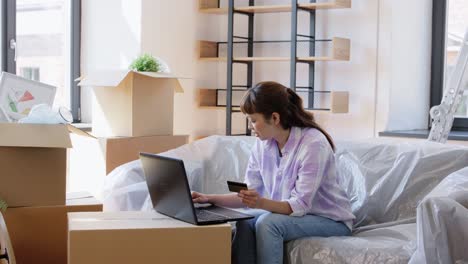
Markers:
point(148, 63)
point(3, 205)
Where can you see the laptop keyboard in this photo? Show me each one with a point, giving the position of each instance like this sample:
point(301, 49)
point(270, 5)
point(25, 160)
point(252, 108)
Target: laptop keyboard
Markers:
point(204, 215)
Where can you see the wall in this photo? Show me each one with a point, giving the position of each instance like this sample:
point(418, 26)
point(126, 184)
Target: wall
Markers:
point(404, 44)
point(387, 76)
point(170, 30)
point(110, 39)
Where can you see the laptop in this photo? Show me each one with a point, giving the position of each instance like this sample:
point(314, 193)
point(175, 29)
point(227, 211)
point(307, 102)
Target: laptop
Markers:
point(170, 193)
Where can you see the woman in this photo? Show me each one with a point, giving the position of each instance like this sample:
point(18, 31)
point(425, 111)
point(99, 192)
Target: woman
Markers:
point(293, 185)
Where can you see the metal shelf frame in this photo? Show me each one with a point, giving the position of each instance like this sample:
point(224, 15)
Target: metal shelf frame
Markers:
point(249, 40)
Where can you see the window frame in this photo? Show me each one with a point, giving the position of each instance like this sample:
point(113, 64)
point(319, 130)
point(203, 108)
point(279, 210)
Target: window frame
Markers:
point(8, 64)
point(438, 61)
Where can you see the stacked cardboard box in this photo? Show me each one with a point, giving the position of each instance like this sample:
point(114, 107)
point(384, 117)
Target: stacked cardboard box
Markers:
point(133, 112)
point(39, 234)
point(33, 159)
point(144, 238)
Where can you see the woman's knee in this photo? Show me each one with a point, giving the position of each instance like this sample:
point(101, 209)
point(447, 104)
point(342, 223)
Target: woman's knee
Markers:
point(246, 225)
point(267, 223)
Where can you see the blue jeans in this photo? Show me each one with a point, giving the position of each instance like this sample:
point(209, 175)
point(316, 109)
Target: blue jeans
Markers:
point(260, 240)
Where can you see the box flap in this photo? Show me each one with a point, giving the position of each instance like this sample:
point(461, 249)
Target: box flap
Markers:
point(78, 131)
point(34, 135)
point(115, 77)
point(178, 88)
point(110, 78)
point(78, 195)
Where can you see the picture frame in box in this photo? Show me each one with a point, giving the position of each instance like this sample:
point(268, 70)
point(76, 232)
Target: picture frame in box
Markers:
point(4, 118)
point(6, 249)
point(18, 95)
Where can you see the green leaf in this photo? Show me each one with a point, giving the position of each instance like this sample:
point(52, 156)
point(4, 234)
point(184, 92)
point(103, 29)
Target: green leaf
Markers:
point(146, 63)
point(3, 205)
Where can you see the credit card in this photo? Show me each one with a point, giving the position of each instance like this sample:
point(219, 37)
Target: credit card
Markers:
point(236, 186)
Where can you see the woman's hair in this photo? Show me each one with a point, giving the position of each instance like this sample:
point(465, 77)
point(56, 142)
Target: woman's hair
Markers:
point(269, 97)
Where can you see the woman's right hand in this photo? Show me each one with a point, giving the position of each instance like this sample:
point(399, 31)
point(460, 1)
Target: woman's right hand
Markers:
point(199, 197)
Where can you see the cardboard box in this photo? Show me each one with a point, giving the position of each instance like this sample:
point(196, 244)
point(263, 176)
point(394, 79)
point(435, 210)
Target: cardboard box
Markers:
point(33, 163)
point(144, 238)
point(91, 160)
point(132, 104)
point(39, 234)
point(120, 150)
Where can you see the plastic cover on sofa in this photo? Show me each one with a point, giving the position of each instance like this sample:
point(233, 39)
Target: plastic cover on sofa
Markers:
point(385, 181)
point(208, 162)
point(442, 222)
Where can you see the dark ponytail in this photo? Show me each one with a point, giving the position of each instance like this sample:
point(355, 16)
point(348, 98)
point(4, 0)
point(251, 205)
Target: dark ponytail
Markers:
point(269, 97)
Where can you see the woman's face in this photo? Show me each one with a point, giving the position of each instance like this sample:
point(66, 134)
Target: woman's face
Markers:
point(263, 129)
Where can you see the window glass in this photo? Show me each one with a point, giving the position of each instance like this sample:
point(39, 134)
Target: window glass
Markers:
point(43, 44)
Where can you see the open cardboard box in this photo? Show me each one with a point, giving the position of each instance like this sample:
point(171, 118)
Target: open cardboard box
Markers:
point(130, 104)
point(33, 160)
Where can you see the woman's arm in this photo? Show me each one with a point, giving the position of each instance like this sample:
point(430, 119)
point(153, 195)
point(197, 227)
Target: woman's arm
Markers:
point(252, 199)
point(226, 200)
point(275, 206)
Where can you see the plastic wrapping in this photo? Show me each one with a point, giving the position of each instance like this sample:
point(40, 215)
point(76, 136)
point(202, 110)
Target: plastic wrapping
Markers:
point(390, 245)
point(385, 181)
point(442, 220)
point(209, 162)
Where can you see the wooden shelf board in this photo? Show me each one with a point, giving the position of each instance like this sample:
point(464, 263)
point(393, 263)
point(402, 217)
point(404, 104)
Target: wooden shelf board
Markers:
point(214, 11)
point(270, 59)
point(340, 52)
point(213, 58)
point(329, 5)
point(261, 58)
point(265, 9)
point(315, 59)
point(218, 108)
point(280, 8)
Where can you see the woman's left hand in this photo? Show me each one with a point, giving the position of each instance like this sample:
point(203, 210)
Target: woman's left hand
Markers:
point(250, 198)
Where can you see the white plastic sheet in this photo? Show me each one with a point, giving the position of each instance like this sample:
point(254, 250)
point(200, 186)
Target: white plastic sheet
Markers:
point(208, 162)
point(442, 220)
point(393, 244)
point(385, 181)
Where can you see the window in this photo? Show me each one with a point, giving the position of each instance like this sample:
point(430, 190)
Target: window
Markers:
point(30, 73)
point(42, 43)
point(448, 28)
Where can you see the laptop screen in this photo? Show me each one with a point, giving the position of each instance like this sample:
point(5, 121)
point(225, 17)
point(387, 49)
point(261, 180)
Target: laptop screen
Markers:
point(168, 186)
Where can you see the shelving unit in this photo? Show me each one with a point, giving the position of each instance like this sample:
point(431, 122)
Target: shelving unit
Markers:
point(209, 51)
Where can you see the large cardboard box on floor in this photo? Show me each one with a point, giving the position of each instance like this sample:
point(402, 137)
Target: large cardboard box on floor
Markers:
point(144, 238)
point(33, 163)
point(39, 234)
point(131, 104)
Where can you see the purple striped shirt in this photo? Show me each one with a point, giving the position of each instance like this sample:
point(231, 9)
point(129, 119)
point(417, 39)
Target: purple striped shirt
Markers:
point(305, 175)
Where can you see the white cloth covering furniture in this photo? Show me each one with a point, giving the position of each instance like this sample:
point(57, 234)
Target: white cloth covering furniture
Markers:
point(397, 191)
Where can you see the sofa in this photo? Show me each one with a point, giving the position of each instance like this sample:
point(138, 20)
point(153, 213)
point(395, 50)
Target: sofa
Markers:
point(408, 198)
